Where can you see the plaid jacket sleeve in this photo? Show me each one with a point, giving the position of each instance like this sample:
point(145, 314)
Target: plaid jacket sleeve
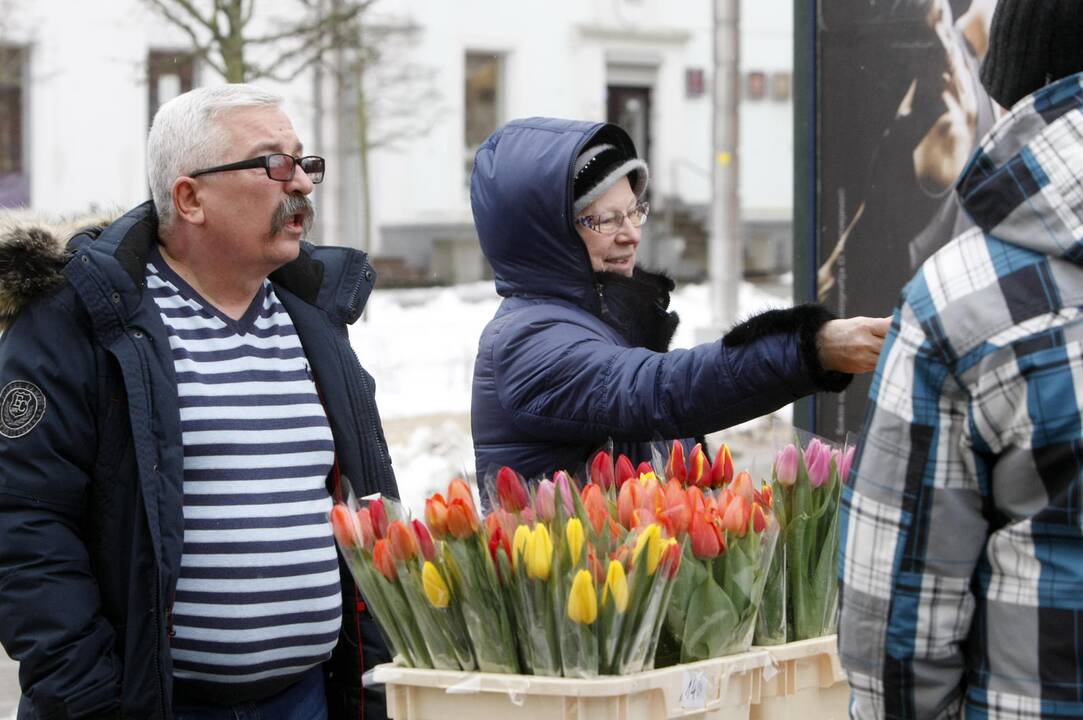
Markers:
point(912, 533)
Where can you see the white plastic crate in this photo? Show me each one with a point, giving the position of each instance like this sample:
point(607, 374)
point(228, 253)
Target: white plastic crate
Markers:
point(803, 681)
point(718, 689)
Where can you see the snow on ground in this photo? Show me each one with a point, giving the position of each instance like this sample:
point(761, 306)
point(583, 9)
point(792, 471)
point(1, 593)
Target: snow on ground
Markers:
point(420, 345)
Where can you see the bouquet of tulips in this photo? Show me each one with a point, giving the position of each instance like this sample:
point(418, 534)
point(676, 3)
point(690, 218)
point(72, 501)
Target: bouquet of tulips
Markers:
point(394, 563)
point(806, 486)
point(732, 533)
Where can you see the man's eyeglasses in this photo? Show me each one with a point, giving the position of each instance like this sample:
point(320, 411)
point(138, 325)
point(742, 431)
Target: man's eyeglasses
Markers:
point(610, 224)
point(279, 166)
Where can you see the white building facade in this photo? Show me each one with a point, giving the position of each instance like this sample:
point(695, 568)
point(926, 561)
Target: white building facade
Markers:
point(81, 81)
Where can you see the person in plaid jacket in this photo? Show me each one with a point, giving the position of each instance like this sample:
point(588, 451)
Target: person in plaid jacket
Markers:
point(962, 528)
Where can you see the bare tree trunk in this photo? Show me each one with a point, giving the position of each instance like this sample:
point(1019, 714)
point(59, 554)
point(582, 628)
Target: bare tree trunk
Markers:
point(363, 159)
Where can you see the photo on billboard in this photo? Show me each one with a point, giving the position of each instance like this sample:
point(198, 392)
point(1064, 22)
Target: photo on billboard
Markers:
point(900, 109)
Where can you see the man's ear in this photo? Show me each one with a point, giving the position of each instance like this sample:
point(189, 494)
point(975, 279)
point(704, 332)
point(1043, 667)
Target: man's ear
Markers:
point(186, 201)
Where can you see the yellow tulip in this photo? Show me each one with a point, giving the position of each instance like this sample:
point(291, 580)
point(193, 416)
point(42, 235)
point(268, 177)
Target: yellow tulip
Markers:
point(617, 584)
point(539, 553)
point(573, 533)
point(582, 600)
point(435, 587)
point(518, 544)
point(651, 538)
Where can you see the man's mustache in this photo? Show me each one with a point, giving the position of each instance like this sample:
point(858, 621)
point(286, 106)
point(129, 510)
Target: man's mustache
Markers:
point(293, 205)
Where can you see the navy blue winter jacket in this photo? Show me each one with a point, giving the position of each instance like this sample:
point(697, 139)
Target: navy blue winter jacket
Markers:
point(573, 357)
point(91, 467)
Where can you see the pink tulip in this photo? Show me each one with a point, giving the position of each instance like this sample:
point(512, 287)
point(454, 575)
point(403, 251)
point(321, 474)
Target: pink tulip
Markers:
point(565, 488)
point(846, 461)
point(545, 500)
point(786, 465)
point(819, 465)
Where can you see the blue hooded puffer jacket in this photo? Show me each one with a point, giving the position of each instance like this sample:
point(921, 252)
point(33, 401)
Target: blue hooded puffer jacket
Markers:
point(560, 367)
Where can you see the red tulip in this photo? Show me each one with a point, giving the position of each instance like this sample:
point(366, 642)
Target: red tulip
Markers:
point(403, 542)
point(722, 469)
point(698, 467)
point(597, 510)
point(675, 467)
point(601, 470)
point(594, 566)
point(696, 501)
point(381, 558)
point(499, 541)
point(707, 540)
point(644, 468)
point(625, 470)
point(342, 525)
point(436, 515)
point(462, 521)
point(424, 540)
point(510, 491)
point(759, 518)
point(765, 495)
point(379, 517)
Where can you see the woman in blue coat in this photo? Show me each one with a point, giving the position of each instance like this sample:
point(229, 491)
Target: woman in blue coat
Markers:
point(578, 351)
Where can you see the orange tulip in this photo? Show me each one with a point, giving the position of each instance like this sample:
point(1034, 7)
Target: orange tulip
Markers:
point(462, 521)
point(736, 516)
point(368, 532)
point(670, 563)
point(742, 485)
point(597, 510)
point(707, 541)
point(641, 517)
point(696, 501)
point(677, 510)
point(627, 501)
point(765, 495)
point(698, 467)
point(436, 515)
point(403, 542)
point(457, 489)
point(722, 469)
point(342, 525)
point(675, 467)
point(381, 558)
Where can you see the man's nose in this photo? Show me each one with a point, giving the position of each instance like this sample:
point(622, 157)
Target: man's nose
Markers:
point(300, 182)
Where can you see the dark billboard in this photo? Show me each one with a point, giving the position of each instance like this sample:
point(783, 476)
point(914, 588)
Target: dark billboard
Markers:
point(899, 109)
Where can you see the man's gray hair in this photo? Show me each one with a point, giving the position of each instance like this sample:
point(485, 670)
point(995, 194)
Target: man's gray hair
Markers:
point(186, 135)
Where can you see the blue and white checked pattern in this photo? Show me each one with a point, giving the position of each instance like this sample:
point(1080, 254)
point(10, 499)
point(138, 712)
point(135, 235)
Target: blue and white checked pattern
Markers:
point(259, 589)
point(962, 528)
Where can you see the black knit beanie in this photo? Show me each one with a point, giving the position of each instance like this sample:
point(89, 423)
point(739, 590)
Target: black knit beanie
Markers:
point(599, 167)
point(1031, 44)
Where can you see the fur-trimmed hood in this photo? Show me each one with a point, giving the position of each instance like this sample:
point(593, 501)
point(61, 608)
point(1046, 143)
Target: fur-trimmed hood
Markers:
point(33, 253)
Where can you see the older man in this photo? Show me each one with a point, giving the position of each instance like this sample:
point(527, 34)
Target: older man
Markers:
point(179, 403)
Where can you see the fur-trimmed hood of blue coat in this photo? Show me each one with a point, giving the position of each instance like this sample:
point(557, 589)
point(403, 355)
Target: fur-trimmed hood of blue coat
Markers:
point(521, 194)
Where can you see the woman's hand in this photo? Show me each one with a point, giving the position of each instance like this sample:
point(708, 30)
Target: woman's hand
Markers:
point(851, 345)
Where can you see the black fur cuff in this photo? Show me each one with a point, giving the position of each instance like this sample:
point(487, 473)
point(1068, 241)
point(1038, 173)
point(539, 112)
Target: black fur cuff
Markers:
point(806, 320)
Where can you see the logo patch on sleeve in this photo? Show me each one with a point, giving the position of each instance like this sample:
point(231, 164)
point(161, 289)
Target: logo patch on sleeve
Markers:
point(22, 405)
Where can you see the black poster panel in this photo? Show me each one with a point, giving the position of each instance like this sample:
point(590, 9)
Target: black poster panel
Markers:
point(899, 108)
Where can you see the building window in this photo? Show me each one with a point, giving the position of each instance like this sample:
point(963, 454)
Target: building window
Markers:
point(780, 86)
point(14, 184)
point(482, 102)
point(168, 75)
point(756, 85)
